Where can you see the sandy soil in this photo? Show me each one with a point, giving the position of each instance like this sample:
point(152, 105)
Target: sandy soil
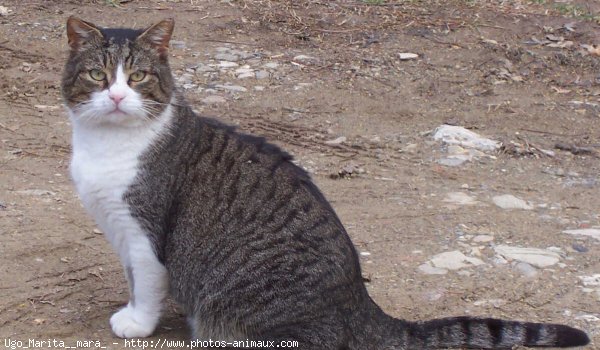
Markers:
point(515, 71)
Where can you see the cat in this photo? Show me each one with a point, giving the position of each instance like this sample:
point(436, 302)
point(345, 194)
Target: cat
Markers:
point(225, 222)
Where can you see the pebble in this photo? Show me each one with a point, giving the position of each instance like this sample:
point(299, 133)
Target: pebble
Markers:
point(452, 161)
point(457, 135)
point(508, 201)
point(214, 99)
point(271, 65)
point(246, 75)
point(579, 248)
point(591, 232)
point(533, 256)
point(459, 198)
point(303, 58)
point(454, 260)
point(336, 141)
point(262, 74)
point(405, 56)
point(233, 88)
point(590, 281)
point(228, 64)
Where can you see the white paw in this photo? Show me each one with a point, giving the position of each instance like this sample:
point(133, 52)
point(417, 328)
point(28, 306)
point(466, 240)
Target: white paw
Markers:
point(127, 323)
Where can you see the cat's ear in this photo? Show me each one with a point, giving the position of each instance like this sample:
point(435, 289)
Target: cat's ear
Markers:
point(158, 35)
point(81, 32)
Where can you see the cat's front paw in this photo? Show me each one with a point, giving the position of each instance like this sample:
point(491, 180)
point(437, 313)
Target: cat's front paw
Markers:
point(127, 323)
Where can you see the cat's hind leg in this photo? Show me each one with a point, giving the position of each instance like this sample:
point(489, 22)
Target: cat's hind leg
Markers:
point(148, 287)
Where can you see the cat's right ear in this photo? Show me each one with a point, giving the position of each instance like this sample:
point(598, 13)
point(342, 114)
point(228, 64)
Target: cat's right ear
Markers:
point(81, 32)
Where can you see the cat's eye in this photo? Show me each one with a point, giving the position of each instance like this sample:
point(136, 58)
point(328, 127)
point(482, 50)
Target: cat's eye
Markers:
point(137, 76)
point(97, 74)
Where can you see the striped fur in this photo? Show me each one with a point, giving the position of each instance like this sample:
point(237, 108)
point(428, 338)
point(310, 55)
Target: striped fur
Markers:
point(251, 247)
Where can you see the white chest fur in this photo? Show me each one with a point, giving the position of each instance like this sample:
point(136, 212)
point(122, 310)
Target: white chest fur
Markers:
point(105, 162)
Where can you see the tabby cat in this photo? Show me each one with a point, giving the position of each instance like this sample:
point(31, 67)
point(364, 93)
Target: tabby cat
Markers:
point(225, 222)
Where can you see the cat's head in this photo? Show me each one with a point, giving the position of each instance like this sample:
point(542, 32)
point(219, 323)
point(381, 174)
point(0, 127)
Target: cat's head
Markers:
point(117, 76)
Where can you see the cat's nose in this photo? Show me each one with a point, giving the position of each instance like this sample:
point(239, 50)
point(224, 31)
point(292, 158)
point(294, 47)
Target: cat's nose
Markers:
point(116, 97)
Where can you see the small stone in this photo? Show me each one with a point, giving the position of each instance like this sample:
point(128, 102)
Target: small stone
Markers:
point(271, 65)
point(508, 201)
point(233, 88)
point(246, 75)
point(456, 135)
point(459, 198)
point(227, 57)
point(534, 256)
point(213, 99)
point(303, 58)
point(97, 231)
point(590, 281)
point(591, 232)
point(228, 64)
point(405, 56)
point(4, 11)
point(579, 248)
point(259, 88)
point(365, 253)
point(452, 161)
point(454, 260)
point(336, 141)
point(262, 74)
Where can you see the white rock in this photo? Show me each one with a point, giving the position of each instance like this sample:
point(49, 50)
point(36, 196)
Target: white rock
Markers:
point(405, 56)
point(592, 232)
point(262, 74)
point(431, 270)
point(234, 88)
point(508, 201)
point(459, 198)
point(246, 75)
point(453, 160)
point(456, 135)
point(303, 58)
point(533, 256)
point(590, 281)
point(588, 318)
point(271, 65)
point(337, 141)
point(454, 260)
point(228, 64)
point(4, 11)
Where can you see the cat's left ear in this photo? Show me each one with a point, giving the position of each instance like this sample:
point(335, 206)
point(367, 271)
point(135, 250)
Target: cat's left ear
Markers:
point(158, 35)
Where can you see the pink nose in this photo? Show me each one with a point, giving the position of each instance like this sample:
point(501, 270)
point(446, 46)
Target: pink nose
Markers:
point(116, 97)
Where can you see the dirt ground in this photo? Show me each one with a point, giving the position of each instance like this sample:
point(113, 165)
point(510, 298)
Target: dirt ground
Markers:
point(336, 94)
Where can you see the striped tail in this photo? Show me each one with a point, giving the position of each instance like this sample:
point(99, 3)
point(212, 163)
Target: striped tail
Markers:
point(488, 333)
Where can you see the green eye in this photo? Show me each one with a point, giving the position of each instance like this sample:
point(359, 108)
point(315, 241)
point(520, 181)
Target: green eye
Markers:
point(137, 76)
point(97, 74)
